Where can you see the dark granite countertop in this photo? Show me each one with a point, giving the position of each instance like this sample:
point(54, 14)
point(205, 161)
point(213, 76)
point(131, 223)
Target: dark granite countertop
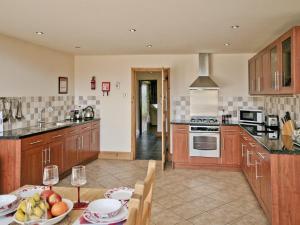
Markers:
point(283, 145)
point(186, 122)
point(35, 130)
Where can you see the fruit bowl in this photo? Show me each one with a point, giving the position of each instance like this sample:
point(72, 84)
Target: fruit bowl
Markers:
point(55, 219)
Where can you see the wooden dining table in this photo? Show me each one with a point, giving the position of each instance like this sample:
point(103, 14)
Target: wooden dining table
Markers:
point(86, 194)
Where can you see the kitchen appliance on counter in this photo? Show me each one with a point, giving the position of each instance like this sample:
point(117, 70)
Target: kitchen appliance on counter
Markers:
point(272, 126)
point(204, 136)
point(78, 114)
point(251, 116)
point(88, 113)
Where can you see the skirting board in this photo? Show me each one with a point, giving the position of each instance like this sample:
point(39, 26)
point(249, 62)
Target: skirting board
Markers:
point(115, 155)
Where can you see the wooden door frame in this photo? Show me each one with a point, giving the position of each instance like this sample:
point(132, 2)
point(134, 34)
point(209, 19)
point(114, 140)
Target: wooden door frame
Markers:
point(134, 70)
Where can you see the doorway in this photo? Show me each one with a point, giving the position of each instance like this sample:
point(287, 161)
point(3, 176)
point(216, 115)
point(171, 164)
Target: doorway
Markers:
point(149, 138)
point(150, 113)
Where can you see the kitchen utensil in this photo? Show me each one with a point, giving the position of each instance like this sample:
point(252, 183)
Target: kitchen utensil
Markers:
point(4, 111)
point(11, 118)
point(19, 114)
point(88, 113)
point(78, 179)
point(50, 176)
point(6, 201)
point(104, 208)
point(121, 193)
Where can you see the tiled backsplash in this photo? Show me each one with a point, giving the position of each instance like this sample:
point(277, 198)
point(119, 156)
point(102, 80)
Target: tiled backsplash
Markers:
point(93, 101)
point(231, 105)
point(62, 105)
point(32, 105)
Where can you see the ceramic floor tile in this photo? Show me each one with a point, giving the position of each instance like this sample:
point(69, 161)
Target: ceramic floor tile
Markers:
point(183, 196)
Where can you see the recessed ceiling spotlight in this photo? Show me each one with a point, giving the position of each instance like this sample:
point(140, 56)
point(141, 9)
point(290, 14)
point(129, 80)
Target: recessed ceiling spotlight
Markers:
point(227, 44)
point(39, 33)
point(235, 26)
point(77, 47)
point(132, 30)
point(149, 46)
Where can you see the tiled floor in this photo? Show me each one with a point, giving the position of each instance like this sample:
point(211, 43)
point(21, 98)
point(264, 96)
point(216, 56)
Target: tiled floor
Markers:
point(184, 197)
point(149, 145)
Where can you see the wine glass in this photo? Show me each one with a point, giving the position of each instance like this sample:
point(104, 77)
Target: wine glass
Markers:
point(50, 176)
point(78, 179)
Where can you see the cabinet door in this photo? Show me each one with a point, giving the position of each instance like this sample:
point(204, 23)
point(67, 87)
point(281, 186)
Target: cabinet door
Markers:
point(286, 81)
point(95, 141)
point(274, 67)
point(71, 146)
point(180, 144)
point(265, 179)
point(252, 71)
point(230, 149)
point(55, 154)
point(258, 74)
point(84, 149)
point(266, 72)
point(255, 173)
point(32, 165)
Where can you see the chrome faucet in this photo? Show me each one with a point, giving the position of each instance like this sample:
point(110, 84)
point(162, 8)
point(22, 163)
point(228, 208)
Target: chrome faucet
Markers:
point(41, 120)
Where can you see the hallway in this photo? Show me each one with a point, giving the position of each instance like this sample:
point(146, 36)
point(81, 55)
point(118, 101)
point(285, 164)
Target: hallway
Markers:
point(149, 145)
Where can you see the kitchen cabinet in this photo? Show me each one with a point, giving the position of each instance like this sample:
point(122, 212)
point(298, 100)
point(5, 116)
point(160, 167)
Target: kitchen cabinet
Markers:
point(276, 69)
point(95, 140)
point(230, 146)
point(32, 165)
point(84, 150)
point(180, 143)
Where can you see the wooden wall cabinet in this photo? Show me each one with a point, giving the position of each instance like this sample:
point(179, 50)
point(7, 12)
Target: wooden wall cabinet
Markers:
point(276, 69)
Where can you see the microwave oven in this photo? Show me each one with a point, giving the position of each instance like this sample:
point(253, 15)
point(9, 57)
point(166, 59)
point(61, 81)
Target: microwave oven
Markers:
point(251, 116)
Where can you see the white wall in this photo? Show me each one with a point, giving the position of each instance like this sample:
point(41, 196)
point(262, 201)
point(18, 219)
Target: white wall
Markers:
point(31, 70)
point(230, 72)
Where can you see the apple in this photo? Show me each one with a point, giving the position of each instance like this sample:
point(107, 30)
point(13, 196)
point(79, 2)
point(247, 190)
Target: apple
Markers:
point(59, 208)
point(54, 198)
point(46, 194)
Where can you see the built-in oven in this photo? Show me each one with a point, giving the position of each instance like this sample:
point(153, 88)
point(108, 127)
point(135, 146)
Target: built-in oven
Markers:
point(204, 141)
point(251, 116)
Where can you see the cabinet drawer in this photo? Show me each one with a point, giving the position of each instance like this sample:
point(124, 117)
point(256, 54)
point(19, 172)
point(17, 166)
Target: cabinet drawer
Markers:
point(56, 135)
point(85, 127)
point(180, 128)
point(95, 124)
point(230, 128)
point(34, 141)
point(72, 130)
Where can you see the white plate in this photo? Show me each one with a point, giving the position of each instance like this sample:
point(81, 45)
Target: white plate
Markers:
point(55, 219)
point(6, 201)
point(104, 206)
point(123, 214)
point(121, 193)
point(29, 192)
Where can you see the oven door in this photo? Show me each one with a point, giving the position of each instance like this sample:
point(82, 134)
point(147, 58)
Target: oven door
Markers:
point(205, 144)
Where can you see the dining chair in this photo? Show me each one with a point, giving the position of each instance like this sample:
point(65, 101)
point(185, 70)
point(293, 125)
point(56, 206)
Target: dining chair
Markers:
point(144, 192)
point(134, 207)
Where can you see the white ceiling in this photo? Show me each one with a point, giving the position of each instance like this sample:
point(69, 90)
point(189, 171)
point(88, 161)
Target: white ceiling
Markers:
point(171, 26)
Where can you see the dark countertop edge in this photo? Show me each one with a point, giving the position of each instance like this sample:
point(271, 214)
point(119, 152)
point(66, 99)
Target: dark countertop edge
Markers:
point(180, 122)
point(272, 151)
point(48, 130)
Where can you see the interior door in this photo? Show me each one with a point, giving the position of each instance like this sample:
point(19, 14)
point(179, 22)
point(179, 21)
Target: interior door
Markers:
point(164, 116)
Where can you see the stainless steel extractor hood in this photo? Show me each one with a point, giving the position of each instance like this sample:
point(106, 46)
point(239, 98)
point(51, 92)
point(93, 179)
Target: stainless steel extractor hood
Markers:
point(203, 80)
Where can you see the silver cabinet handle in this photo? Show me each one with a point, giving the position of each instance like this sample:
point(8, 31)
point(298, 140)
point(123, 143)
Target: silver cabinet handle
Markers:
point(261, 155)
point(256, 171)
point(49, 155)
point(44, 156)
point(248, 158)
point(36, 142)
point(81, 142)
point(243, 150)
point(252, 144)
point(57, 136)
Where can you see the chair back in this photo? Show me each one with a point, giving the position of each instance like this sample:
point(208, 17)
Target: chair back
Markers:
point(144, 191)
point(134, 207)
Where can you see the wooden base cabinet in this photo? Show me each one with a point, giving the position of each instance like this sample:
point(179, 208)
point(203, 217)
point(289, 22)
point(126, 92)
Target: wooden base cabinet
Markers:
point(180, 144)
point(65, 148)
point(230, 146)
